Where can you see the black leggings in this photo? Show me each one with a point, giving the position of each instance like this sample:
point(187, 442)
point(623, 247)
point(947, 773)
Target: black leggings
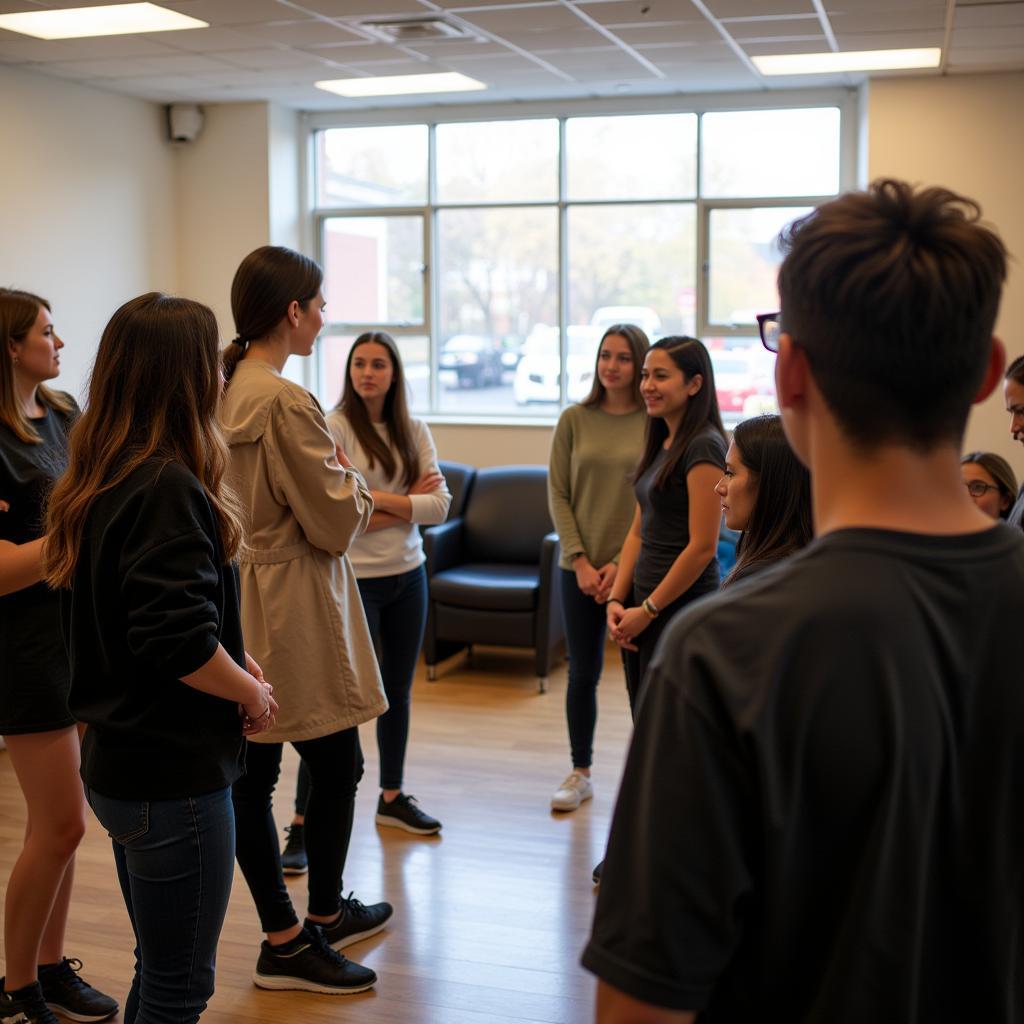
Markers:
point(335, 765)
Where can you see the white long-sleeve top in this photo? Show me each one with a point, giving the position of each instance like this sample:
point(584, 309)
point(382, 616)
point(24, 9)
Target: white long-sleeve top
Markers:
point(397, 549)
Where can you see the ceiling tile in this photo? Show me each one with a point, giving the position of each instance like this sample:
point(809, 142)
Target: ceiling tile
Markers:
point(302, 33)
point(207, 40)
point(232, 12)
point(679, 31)
point(689, 54)
point(527, 20)
point(887, 21)
point(989, 16)
point(758, 49)
point(364, 8)
point(636, 12)
point(257, 60)
point(747, 8)
point(348, 53)
point(889, 40)
point(21, 48)
point(982, 38)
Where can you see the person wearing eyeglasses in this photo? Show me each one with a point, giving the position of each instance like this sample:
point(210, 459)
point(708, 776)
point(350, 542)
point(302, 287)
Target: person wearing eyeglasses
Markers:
point(990, 482)
point(820, 815)
point(1013, 392)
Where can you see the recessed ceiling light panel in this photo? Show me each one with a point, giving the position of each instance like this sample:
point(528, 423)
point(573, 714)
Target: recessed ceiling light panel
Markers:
point(850, 60)
point(401, 85)
point(115, 20)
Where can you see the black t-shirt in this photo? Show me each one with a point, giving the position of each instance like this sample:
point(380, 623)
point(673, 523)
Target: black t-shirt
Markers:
point(822, 815)
point(150, 601)
point(27, 474)
point(665, 516)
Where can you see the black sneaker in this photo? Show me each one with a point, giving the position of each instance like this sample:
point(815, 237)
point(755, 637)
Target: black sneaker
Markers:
point(68, 994)
point(30, 1008)
point(355, 922)
point(293, 857)
point(404, 812)
point(311, 966)
point(597, 873)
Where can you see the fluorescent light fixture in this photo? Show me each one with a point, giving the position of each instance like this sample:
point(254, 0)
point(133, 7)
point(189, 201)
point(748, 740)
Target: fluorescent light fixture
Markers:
point(401, 85)
point(851, 60)
point(115, 20)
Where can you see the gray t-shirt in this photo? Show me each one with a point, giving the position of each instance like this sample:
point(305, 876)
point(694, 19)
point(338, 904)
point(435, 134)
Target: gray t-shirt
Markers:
point(665, 517)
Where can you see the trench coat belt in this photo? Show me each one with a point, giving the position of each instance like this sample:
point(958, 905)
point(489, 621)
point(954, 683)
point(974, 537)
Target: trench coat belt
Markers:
point(269, 556)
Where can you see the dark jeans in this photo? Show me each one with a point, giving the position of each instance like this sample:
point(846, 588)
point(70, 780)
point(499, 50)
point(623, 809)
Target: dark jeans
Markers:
point(585, 631)
point(396, 612)
point(335, 764)
point(175, 859)
point(635, 662)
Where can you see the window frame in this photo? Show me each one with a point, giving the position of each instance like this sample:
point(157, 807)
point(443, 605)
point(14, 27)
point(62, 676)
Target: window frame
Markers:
point(846, 100)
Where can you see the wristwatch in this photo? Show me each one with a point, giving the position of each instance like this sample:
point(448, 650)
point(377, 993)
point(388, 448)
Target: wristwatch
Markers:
point(650, 608)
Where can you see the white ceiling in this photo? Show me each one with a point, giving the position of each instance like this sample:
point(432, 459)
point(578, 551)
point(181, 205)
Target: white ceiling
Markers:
point(531, 49)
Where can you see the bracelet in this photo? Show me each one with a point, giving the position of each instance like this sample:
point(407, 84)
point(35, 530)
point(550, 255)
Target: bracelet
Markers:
point(615, 600)
point(650, 608)
point(263, 714)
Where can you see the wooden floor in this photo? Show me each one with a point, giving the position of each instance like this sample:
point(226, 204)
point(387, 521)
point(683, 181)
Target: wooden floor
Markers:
point(490, 917)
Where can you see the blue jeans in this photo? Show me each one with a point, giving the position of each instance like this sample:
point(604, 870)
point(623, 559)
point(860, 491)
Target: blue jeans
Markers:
point(175, 860)
point(396, 612)
point(585, 629)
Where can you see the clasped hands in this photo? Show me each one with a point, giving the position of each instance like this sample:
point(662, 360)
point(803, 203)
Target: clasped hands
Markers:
point(261, 714)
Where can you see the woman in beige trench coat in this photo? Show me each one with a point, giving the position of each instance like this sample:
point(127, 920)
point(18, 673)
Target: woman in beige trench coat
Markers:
point(303, 622)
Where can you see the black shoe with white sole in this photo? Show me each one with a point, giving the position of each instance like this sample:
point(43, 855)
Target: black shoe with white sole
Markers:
point(308, 964)
point(355, 922)
point(293, 857)
point(404, 812)
point(69, 995)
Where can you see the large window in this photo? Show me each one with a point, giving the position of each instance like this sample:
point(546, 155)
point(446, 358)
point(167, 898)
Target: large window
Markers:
point(497, 252)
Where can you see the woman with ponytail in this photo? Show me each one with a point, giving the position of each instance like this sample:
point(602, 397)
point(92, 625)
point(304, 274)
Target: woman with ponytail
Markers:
point(303, 621)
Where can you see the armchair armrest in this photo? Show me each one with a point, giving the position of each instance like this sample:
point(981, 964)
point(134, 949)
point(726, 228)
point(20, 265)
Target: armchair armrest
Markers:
point(442, 545)
point(550, 630)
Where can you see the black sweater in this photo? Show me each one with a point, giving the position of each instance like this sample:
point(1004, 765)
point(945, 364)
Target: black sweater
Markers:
point(150, 601)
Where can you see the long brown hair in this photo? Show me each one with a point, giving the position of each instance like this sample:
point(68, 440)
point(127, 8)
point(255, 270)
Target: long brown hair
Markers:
point(396, 415)
point(701, 411)
point(265, 283)
point(638, 345)
point(780, 520)
point(153, 395)
point(18, 312)
point(1000, 470)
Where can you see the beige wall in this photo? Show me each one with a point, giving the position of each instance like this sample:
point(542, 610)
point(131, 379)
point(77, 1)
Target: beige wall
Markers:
point(486, 445)
point(963, 132)
point(87, 180)
point(222, 190)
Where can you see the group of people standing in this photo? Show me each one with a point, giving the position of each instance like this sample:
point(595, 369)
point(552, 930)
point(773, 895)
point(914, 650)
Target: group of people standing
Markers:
point(198, 499)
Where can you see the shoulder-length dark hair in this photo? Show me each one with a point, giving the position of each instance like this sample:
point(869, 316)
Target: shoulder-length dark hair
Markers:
point(1000, 470)
point(780, 520)
point(18, 312)
point(400, 446)
point(153, 394)
point(701, 412)
point(638, 345)
point(266, 282)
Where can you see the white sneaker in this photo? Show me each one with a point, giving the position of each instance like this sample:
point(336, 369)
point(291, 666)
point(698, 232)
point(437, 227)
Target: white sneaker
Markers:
point(572, 792)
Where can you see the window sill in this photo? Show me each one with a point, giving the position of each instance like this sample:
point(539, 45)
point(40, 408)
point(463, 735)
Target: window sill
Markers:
point(448, 420)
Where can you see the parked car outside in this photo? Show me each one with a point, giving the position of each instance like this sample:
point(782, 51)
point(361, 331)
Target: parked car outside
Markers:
point(642, 316)
point(537, 376)
point(470, 361)
point(735, 379)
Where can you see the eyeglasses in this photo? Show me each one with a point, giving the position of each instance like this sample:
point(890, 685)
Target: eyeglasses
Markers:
point(978, 488)
point(770, 326)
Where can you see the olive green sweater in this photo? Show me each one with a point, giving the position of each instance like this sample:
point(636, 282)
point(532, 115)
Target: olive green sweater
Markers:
point(590, 495)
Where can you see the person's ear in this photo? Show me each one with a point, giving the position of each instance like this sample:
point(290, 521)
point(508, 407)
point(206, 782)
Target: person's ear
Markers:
point(695, 383)
point(293, 313)
point(792, 373)
point(993, 372)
